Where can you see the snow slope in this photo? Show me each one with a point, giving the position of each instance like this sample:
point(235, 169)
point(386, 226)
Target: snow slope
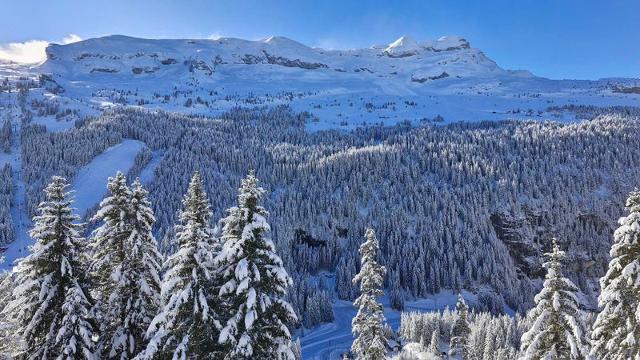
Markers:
point(90, 185)
point(21, 220)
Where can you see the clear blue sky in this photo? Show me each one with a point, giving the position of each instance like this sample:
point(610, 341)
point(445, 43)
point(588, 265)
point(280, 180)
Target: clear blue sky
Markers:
point(583, 39)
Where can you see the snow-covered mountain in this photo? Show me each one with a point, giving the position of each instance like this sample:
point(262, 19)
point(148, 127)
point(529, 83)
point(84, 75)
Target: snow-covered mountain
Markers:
point(405, 80)
point(130, 58)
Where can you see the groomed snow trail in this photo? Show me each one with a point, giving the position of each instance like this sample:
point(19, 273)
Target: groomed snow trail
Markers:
point(89, 185)
point(20, 218)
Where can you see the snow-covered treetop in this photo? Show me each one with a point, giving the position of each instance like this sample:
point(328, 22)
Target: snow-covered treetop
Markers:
point(196, 202)
point(461, 305)
point(249, 192)
point(56, 190)
point(633, 201)
point(554, 263)
point(371, 273)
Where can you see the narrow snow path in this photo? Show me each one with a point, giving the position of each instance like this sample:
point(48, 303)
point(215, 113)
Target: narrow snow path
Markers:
point(147, 174)
point(19, 216)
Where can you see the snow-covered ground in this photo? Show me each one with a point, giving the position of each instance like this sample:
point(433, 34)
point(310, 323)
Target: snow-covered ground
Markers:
point(21, 220)
point(328, 341)
point(90, 185)
point(147, 174)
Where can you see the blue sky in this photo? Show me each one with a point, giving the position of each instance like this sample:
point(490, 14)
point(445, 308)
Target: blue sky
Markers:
point(584, 39)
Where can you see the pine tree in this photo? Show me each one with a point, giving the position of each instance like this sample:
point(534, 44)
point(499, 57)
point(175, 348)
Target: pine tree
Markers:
point(127, 263)
point(107, 242)
point(616, 331)
point(460, 331)
point(434, 345)
point(5, 136)
point(296, 348)
point(254, 282)
point(368, 324)
point(9, 337)
point(76, 327)
point(558, 331)
point(187, 325)
point(396, 298)
point(51, 304)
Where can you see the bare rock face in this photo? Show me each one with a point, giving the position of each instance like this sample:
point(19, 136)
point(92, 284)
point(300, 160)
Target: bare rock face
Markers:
point(279, 60)
point(421, 79)
point(195, 64)
point(526, 233)
point(516, 233)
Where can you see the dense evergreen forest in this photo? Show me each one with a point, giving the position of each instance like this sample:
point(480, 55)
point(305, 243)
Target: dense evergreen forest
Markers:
point(460, 206)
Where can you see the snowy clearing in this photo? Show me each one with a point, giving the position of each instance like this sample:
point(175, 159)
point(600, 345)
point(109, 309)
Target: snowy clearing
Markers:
point(328, 341)
point(90, 185)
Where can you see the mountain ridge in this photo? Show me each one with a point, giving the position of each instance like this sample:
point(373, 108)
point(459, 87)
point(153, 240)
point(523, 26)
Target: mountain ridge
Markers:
point(406, 80)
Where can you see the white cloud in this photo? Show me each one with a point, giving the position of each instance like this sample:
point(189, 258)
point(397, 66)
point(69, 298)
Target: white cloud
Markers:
point(31, 51)
point(329, 44)
point(215, 36)
point(71, 39)
point(27, 52)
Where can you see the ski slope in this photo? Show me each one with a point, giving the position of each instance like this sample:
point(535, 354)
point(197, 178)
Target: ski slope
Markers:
point(90, 184)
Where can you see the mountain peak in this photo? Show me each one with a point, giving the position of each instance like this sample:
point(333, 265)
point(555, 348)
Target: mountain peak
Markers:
point(403, 40)
point(448, 42)
point(283, 41)
point(403, 47)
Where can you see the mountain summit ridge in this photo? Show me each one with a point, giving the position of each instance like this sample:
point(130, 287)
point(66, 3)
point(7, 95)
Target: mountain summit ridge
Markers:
point(407, 79)
point(147, 52)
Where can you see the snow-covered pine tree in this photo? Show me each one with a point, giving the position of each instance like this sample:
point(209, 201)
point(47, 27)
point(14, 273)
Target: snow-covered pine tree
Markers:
point(368, 324)
point(460, 330)
point(423, 342)
point(616, 331)
point(558, 331)
point(396, 298)
point(75, 336)
point(9, 339)
point(107, 243)
point(296, 348)
point(434, 344)
point(51, 304)
point(254, 282)
point(127, 265)
point(187, 325)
